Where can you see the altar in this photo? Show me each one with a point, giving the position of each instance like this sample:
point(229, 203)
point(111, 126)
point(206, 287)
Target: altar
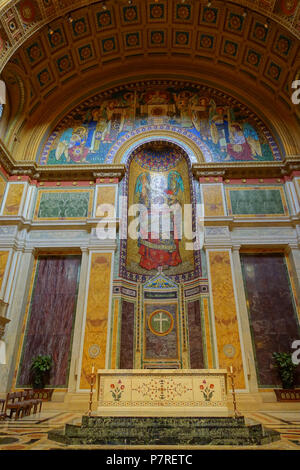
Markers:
point(162, 392)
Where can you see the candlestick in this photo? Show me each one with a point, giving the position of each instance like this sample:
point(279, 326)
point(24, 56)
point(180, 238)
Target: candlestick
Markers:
point(92, 381)
point(236, 413)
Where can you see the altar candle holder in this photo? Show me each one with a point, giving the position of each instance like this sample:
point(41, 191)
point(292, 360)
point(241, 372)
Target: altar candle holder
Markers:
point(92, 378)
point(231, 375)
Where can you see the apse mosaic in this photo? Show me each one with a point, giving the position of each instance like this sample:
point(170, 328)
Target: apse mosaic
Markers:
point(227, 130)
point(159, 176)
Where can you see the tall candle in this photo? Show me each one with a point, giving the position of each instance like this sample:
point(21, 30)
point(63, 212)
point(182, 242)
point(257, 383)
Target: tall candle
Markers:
point(93, 369)
point(231, 369)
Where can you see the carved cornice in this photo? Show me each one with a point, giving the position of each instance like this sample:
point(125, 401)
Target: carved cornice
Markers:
point(247, 169)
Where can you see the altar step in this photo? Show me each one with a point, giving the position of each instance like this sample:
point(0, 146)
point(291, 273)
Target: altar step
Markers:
point(100, 430)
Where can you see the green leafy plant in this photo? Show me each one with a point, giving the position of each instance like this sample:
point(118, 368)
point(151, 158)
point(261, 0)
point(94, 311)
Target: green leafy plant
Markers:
point(40, 368)
point(286, 369)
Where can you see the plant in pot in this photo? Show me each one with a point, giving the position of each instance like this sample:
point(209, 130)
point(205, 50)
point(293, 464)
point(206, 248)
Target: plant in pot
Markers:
point(40, 369)
point(286, 369)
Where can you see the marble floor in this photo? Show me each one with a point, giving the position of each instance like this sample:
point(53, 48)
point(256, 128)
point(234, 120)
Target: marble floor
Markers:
point(30, 433)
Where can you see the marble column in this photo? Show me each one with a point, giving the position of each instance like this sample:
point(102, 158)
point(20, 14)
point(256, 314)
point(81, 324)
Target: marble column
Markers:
point(293, 253)
point(17, 299)
point(79, 320)
point(244, 320)
point(225, 311)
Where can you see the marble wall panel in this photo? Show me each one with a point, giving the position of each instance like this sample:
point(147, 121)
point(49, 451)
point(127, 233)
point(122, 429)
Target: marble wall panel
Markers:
point(225, 314)
point(213, 200)
point(13, 199)
point(161, 337)
point(195, 336)
point(127, 336)
point(2, 188)
point(3, 262)
point(51, 317)
point(97, 312)
point(273, 317)
point(106, 195)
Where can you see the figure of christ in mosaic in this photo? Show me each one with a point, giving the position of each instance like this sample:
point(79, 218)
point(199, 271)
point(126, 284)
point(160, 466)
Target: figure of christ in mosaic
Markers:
point(158, 193)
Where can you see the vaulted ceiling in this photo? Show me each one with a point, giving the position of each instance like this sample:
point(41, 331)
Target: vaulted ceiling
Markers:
point(57, 52)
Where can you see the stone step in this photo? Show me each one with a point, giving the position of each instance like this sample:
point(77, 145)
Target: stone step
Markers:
point(163, 431)
point(100, 421)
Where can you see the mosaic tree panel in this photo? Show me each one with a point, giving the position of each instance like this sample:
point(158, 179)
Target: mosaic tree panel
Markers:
point(273, 319)
point(257, 202)
point(51, 317)
point(224, 129)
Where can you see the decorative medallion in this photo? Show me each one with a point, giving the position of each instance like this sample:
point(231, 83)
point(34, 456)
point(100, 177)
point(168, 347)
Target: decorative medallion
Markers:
point(94, 351)
point(229, 350)
point(160, 322)
point(27, 11)
point(288, 7)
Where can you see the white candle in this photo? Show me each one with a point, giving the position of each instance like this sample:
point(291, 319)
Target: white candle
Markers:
point(93, 369)
point(231, 369)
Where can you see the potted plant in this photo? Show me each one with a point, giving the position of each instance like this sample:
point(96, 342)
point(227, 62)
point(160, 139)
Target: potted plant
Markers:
point(286, 369)
point(40, 369)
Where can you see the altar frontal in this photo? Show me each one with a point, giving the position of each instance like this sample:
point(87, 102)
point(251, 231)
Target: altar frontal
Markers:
point(162, 392)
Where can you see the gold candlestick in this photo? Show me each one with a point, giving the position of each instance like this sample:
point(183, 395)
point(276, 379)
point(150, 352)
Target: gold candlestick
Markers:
point(92, 383)
point(231, 375)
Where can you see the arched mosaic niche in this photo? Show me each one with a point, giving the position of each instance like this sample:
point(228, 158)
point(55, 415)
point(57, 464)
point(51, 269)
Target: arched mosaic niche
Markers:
point(158, 172)
point(222, 128)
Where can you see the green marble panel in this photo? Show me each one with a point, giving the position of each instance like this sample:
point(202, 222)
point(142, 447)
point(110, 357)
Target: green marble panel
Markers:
point(64, 205)
point(256, 201)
